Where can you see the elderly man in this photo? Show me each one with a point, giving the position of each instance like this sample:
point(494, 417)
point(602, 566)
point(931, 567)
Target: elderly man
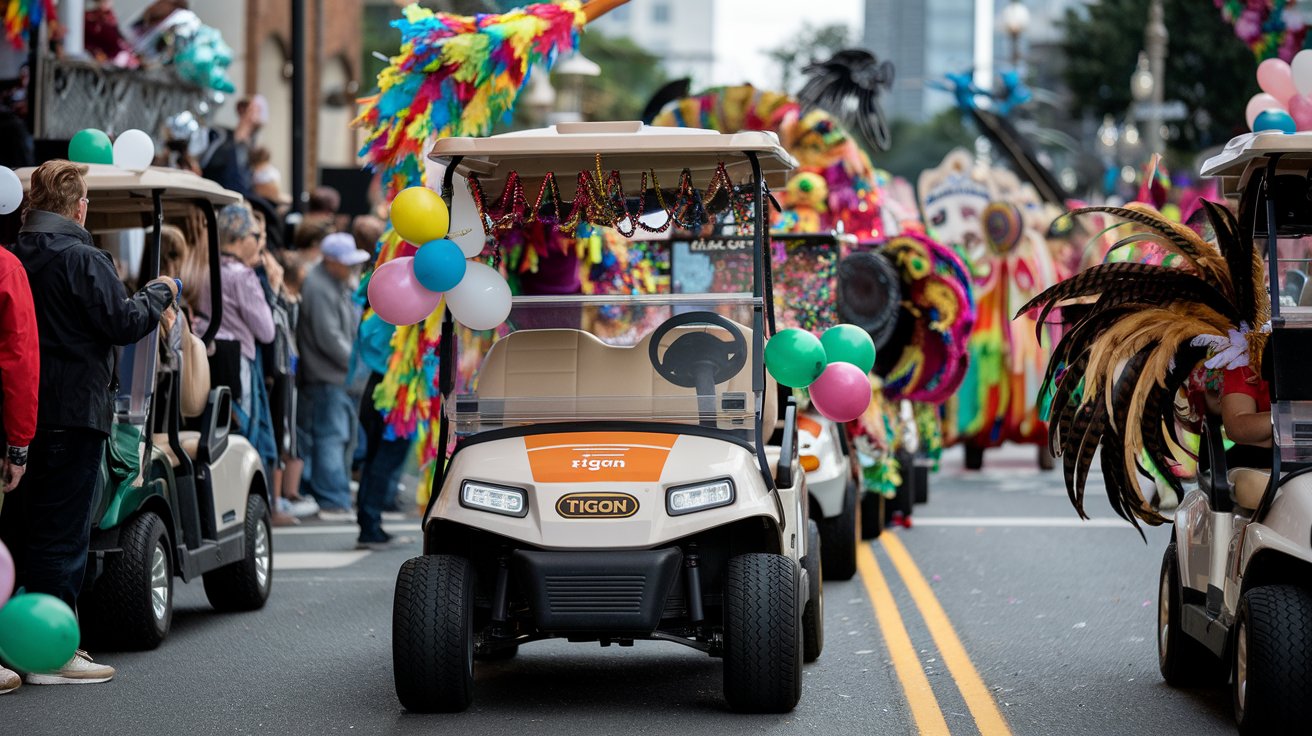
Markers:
point(325, 333)
point(83, 314)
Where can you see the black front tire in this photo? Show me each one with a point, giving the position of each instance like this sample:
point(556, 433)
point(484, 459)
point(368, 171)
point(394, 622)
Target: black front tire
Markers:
point(244, 585)
point(131, 604)
point(813, 615)
point(920, 474)
point(433, 634)
point(839, 537)
point(974, 457)
point(762, 634)
point(872, 514)
point(1183, 660)
point(1272, 654)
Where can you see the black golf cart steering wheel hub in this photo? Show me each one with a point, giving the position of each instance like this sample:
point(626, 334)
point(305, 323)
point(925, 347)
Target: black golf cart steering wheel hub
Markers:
point(698, 360)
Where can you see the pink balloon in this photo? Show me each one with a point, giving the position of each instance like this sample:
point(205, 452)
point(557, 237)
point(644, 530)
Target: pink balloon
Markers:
point(1259, 104)
point(1276, 79)
point(1300, 109)
point(6, 574)
point(397, 296)
point(841, 393)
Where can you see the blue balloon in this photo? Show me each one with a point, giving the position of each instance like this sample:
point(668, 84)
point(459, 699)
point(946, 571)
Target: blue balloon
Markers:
point(1273, 120)
point(439, 265)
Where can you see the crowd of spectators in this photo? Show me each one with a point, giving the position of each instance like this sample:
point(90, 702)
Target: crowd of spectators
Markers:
point(287, 346)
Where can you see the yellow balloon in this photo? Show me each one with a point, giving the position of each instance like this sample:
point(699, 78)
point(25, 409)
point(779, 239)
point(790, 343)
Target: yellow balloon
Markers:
point(419, 215)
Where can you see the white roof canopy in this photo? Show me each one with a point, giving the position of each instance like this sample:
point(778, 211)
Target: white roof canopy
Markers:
point(1244, 153)
point(627, 146)
point(122, 199)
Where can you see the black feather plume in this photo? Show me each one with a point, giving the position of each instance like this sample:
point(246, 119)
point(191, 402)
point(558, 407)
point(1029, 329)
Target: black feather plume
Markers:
point(848, 86)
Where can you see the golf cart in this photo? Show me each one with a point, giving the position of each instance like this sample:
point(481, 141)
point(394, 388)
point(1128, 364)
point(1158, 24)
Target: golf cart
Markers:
point(179, 496)
point(806, 294)
point(613, 484)
point(1236, 585)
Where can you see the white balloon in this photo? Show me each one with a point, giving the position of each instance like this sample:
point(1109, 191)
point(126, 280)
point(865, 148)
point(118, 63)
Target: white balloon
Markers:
point(466, 225)
point(11, 191)
point(481, 301)
point(134, 150)
point(1301, 67)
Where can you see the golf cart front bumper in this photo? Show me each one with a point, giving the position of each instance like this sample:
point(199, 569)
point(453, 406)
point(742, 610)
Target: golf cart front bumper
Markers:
point(622, 592)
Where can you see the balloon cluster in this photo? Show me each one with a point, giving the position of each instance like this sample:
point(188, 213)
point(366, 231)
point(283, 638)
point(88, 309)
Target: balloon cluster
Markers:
point(38, 632)
point(202, 58)
point(132, 150)
point(1285, 103)
point(407, 289)
point(833, 367)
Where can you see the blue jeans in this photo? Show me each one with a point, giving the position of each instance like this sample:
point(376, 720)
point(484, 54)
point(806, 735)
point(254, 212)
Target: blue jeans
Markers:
point(330, 419)
point(384, 456)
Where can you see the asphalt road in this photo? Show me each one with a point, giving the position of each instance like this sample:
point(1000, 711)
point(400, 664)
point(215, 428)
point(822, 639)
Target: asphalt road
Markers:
point(1009, 616)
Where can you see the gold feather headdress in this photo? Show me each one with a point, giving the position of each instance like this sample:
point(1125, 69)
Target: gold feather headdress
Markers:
point(1115, 373)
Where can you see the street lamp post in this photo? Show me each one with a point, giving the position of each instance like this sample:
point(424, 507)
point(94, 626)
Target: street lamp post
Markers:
point(573, 70)
point(1015, 19)
point(1155, 39)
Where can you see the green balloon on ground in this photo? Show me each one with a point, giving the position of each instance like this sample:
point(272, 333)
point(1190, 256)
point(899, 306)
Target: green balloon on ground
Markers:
point(795, 357)
point(38, 632)
point(91, 146)
point(849, 344)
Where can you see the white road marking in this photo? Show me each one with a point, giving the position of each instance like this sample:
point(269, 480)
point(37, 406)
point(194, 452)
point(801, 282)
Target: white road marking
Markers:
point(1021, 521)
point(409, 530)
point(316, 560)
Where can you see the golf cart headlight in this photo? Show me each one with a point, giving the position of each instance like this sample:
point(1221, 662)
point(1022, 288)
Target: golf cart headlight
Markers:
point(687, 499)
point(496, 499)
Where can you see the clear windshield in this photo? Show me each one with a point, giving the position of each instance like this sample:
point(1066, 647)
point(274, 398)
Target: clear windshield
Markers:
point(590, 358)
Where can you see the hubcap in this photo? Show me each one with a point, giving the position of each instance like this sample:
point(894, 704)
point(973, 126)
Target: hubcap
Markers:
point(159, 582)
point(1163, 616)
point(262, 555)
point(1241, 664)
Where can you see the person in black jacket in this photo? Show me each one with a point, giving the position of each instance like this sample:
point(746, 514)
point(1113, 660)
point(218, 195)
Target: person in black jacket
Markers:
point(83, 312)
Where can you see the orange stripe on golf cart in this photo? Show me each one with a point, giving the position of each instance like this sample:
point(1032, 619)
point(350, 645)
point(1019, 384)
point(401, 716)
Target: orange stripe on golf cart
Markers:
point(598, 457)
point(807, 424)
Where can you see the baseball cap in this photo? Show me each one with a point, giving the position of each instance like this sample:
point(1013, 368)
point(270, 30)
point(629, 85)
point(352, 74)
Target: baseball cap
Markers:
point(340, 247)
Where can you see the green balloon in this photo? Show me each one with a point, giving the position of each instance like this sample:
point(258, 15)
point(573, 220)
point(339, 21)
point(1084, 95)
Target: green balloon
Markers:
point(795, 357)
point(849, 344)
point(38, 632)
point(91, 146)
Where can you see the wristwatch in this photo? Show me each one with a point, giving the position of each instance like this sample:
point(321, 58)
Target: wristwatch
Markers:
point(17, 455)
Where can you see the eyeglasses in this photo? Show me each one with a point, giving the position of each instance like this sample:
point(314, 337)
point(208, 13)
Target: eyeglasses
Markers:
point(84, 200)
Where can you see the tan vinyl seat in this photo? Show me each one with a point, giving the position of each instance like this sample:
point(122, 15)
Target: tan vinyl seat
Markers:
point(190, 442)
point(564, 364)
point(1249, 486)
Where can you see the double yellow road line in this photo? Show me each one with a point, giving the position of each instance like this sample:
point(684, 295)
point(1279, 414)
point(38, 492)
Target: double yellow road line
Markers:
point(925, 708)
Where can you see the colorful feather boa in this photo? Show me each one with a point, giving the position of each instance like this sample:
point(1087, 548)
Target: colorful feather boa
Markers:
point(23, 15)
point(454, 76)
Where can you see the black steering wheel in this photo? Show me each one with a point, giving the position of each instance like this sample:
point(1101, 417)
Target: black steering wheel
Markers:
point(698, 360)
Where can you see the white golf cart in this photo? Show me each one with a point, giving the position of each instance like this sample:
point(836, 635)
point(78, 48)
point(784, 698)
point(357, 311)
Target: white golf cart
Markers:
point(180, 495)
point(1236, 585)
point(833, 477)
point(612, 477)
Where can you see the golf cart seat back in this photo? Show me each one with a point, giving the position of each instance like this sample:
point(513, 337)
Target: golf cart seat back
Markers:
point(190, 445)
point(1249, 485)
point(566, 364)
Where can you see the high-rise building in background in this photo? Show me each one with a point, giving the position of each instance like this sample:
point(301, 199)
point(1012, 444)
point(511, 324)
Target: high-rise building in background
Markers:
point(680, 32)
point(928, 39)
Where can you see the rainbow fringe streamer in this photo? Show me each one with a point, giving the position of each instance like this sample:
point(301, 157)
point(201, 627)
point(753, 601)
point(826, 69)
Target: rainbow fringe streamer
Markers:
point(23, 15)
point(454, 76)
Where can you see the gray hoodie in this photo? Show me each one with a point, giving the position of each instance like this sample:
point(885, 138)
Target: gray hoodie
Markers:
point(326, 329)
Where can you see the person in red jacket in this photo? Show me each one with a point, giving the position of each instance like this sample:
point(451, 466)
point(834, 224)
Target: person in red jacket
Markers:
point(20, 370)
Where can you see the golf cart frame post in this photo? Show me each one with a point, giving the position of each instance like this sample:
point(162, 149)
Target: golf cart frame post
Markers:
point(762, 316)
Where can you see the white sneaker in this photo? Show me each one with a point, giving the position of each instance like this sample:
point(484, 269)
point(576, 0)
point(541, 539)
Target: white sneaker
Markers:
point(80, 670)
point(303, 507)
point(9, 681)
